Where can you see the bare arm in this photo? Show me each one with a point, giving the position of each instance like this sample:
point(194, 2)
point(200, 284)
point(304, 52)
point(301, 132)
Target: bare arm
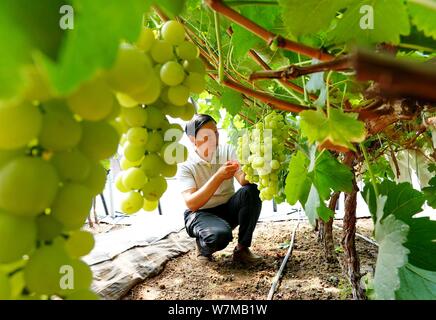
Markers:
point(240, 176)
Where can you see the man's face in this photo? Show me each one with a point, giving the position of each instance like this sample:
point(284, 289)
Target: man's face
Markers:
point(206, 140)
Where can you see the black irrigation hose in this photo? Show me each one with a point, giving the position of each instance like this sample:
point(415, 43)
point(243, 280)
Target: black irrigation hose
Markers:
point(282, 267)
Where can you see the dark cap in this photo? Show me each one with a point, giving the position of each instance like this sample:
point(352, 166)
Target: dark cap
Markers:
point(196, 123)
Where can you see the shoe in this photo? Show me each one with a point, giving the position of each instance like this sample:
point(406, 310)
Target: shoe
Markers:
point(245, 256)
point(200, 257)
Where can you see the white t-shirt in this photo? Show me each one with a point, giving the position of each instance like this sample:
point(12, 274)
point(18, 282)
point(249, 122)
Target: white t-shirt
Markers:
point(195, 172)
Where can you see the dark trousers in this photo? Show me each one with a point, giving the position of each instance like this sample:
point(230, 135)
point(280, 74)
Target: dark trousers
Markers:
point(212, 227)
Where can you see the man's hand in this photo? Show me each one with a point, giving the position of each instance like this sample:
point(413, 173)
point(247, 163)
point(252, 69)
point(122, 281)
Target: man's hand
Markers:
point(228, 170)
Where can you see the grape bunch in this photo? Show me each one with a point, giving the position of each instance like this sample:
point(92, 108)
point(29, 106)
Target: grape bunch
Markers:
point(151, 148)
point(52, 146)
point(50, 171)
point(262, 152)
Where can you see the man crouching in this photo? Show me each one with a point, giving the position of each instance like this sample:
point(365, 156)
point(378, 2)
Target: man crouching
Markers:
point(214, 209)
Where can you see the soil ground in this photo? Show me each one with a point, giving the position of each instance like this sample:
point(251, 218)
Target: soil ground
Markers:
point(307, 275)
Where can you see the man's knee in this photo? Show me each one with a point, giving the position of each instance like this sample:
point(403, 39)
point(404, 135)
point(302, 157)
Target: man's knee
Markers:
point(216, 238)
point(250, 191)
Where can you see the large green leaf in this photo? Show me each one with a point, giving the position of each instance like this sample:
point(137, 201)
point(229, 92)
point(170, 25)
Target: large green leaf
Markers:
point(297, 183)
point(390, 234)
point(423, 17)
point(391, 20)
point(99, 25)
point(312, 205)
point(416, 284)
point(330, 175)
point(430, 193)
point(243, 40)
point(403, 203)
point(339, 128)
point(231, 100)
point(309, 16)
point(26, 26)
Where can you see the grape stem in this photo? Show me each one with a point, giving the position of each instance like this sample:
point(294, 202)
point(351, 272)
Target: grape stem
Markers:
point(268, 36)
point(371, 173)
point(218, 41)
point(294, 71)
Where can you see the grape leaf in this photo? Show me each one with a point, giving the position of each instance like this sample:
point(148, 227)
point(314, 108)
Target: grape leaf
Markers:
point(330, 175)
point(391, 20)
point(339, 128)
point(93, 43)
point(297, 183)
point(244, 40)
point(390, 234)
point(403, 203)
point(312, 205)
point(26, 26)
point(325, 213)
point(423, 17)
point(309, 16)
point(171, 8)
point(416, 284)
point(232, 101)
point(430, 193)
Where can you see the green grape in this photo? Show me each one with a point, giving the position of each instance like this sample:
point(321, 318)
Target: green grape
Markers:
point(5, 287)
point(155, 118)
point(19, 124)
point(72, 166)
point(131, 202)
point(174, 153)
point(175, 133)
point(125, 100)
point(155, 142)
point(178, 95)
point(126, 164)
point(162, 51)
point(133, 152)
point(131, 70)
point(60, 131)
point(119, 183)
point(154, 188)
point(83, 295)
point(45, 268)
point(172, 73)
point(99, 140)
point(150, 205)
point(195, 82)
point(173, 32)
point(146, 39)
point(79, 243)
point(96, 179)
point(72, 205)
point(137, 135)
point(169, 170)
point(81, 278)
point(194, 65)
point(28, 186)
point(149, 94)
point(164, 95)
point(275, 164)
point(174, 111)
point(36, 84)
point(187, 50)
point(188, 112)
point(48, 227)
point(93, 100)
point(134, 117)
point(134, 178)
point(17, 236)
point(116, 110)
point(152, 165)
point(8, 155)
